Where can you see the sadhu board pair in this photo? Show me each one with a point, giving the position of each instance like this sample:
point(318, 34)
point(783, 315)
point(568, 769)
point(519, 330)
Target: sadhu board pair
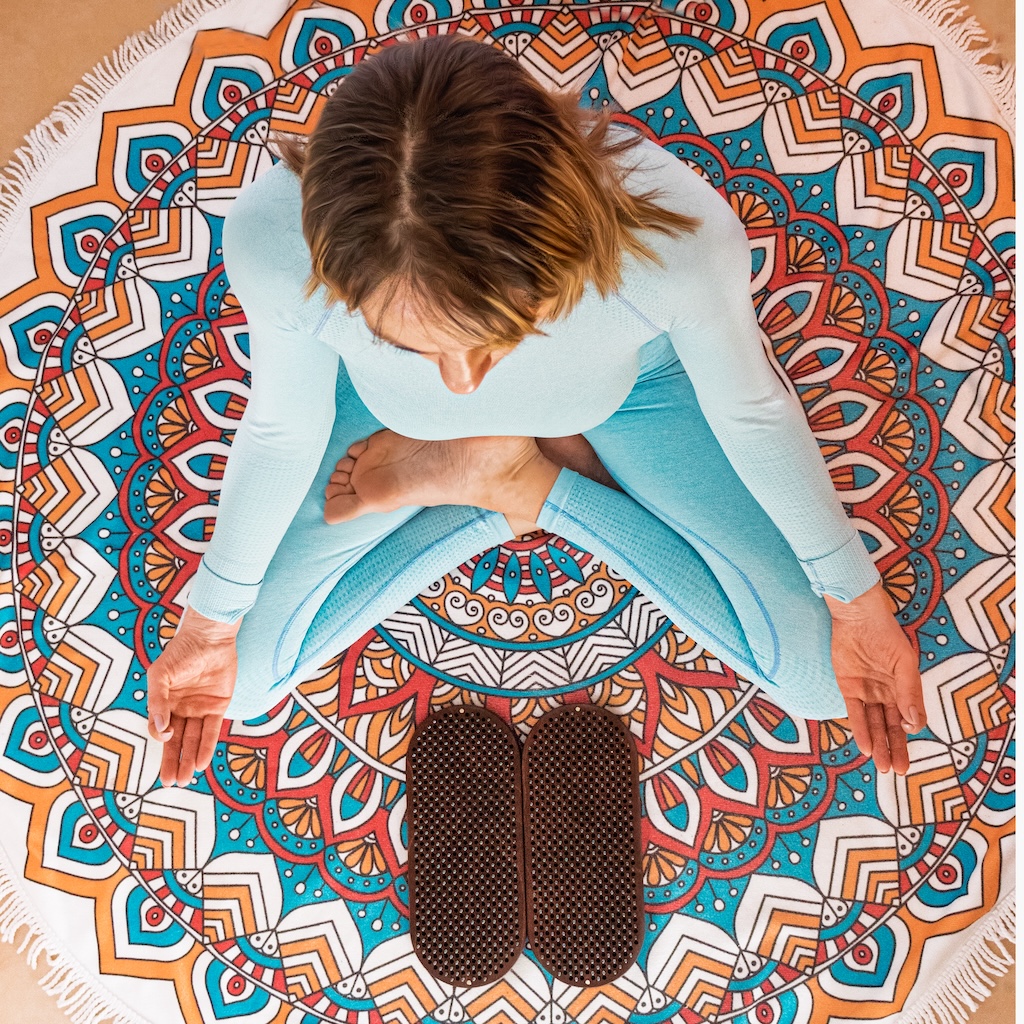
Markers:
point(545, 844)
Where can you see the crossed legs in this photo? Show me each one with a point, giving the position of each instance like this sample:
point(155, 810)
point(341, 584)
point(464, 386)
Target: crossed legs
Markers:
point(670, 515)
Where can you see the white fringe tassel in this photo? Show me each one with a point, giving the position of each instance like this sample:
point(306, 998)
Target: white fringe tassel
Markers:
point(46, 139)
point(77, 992)
point(966, 983)
point(949, 19)
point(953, 22)
point(963, 986)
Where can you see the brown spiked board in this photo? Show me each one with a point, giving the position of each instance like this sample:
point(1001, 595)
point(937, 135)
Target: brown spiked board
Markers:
point(583, 846)
point(467, 897)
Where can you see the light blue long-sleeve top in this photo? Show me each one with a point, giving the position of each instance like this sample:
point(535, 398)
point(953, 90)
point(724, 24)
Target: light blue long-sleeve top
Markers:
point(550, 386)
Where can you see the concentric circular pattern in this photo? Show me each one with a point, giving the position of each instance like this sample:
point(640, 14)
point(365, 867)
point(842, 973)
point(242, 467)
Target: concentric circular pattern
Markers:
point(466, 878)
point(585, 910)
point(883, 280)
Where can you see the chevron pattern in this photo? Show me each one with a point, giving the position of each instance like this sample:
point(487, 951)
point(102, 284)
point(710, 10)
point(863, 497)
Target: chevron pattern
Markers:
point(640, 68)
point(926, 258)
point(174, 830)
point(563, 53)
point(723, 93)
point(871, 187)
point(804, 135)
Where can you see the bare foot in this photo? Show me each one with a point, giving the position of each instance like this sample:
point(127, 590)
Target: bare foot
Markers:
point(387, 471)
point(575, 453)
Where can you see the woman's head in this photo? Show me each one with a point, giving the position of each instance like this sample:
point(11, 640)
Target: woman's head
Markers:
point(445, 190)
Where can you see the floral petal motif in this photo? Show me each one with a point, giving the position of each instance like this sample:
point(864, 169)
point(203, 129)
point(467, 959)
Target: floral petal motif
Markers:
point(161, 494)
point(900, 583)
point(895, 436)
point(845, 310)
point(301, 816)
point(362, 855)
point(787, 785)
point(727, 832)
point(878, 369)
point(804, 256)
point(201, 355)
point(662, 866)
point(833, 736)
point(904, 511)
point(752, 210)
point(160, 566)
point(248, 765)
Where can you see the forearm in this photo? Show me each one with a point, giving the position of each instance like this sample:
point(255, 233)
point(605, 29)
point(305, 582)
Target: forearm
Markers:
point(759, 423)
point(775, 454)
point(262, 489)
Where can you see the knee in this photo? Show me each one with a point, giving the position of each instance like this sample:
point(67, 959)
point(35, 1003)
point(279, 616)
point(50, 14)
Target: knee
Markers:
point(248, 702)
point(806, 691)
point(797, 669)
point(257, 687)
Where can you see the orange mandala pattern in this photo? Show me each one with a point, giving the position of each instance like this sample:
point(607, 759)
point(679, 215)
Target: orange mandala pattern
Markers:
point(785, 880)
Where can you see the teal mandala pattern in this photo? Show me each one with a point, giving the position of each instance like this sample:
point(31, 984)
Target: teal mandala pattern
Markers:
point(785, 880)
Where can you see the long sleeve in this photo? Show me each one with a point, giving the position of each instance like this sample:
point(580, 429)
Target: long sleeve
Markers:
point(283, 434)
point(761, 427)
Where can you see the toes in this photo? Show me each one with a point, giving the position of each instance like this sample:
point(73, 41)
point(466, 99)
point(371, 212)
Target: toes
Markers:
point(342, 507)
point(345, 465)
point(340, 477)
point(357, 448)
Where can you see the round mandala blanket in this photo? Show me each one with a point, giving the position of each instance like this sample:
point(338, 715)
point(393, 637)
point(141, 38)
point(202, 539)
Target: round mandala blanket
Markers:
point(786, 881)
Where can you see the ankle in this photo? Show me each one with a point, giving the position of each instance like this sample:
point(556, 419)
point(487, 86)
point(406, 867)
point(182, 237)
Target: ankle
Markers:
point(522, 493)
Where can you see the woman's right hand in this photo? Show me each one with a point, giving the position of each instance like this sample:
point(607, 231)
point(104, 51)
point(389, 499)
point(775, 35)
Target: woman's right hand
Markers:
point(189, 688)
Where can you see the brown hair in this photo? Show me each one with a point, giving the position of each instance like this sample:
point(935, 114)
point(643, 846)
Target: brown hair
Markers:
point(442, 167)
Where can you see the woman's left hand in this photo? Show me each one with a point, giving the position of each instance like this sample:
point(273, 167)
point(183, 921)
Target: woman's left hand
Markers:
point(876, 668)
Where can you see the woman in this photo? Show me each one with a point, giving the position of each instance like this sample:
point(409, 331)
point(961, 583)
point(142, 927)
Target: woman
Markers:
point(408, 410)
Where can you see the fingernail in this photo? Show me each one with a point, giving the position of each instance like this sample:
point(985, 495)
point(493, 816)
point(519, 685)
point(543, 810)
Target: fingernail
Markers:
point(160, 721)
point(916, 717)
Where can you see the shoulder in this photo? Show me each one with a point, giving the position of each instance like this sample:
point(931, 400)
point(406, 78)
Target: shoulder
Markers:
point(683, 189)
point(265, 253)
point(720, 237)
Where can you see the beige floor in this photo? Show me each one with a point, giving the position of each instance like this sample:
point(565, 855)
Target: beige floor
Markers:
point(37, 72)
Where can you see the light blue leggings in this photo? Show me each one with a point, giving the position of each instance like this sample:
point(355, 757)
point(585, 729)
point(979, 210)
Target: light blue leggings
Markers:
point(686, 532)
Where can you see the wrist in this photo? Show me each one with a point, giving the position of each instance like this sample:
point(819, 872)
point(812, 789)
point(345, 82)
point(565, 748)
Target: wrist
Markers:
point(870, 603)
point(214, 629)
